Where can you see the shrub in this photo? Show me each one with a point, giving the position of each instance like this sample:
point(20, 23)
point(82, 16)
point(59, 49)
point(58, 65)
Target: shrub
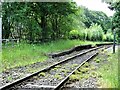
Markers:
point(74, 34)
point(94, 33)
point(109, 37)
point(104, 37)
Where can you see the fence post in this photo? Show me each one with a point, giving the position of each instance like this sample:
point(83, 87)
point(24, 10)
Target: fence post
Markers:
point(114, 41)
point(0, 32)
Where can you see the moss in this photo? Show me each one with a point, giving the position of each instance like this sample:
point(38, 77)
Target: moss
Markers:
point(86, 64)
point(92, 68)
point(9, 78)
point(58, 76)
point(75, 77)
point(74, 65)
point(65, 74)
point(94, 74)
point(109, 54)
point(86, 76)
point(58, 66)
point(84, 70)
point(81, 76)
point(97, 60)
point(64, 70)
point(77, 72)
point(32, 70)
point(42, 74)
point(55, 68)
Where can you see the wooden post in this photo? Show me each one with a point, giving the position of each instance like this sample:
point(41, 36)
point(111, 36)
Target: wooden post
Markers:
point(0, 27)
point(0, 33)
point(114, 41)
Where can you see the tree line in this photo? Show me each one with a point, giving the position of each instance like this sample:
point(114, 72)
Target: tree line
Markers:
point(43, 22)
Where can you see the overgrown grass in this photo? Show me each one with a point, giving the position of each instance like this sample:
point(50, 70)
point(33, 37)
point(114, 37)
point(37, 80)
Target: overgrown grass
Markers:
point(109, 72)
point(24, 54)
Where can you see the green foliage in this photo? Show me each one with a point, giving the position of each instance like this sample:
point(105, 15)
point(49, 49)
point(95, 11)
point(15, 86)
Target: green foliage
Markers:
point(42, 22)
point(42, 74)
point(93, 17)
point(94, 33)
point(36, 21)
point(116, 17)
point(97, 60)
point(74, 34)
point(58, 66)
point(9, 78)
point(86, 64)
point(109, 37)
point(76, 77)
point(57, 76)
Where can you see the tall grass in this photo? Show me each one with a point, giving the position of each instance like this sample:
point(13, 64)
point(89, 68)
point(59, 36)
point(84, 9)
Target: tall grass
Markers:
point(25, 54)
point(93, 33)
point(109, 72)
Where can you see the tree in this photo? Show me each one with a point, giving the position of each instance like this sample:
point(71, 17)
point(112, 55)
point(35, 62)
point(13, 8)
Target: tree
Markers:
point(93, 17)
point(116, 18)
point(36, 20)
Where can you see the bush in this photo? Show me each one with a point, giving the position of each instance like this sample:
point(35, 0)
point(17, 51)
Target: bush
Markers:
point(109, 37)
point(82, 34)
point(104, 37)
point(73, 34)
point(94, 33)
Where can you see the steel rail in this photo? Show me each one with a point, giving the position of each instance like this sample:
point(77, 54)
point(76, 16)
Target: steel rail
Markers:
point(65, 79)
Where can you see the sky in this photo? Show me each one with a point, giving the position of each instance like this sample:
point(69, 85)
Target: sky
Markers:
point(97, 5)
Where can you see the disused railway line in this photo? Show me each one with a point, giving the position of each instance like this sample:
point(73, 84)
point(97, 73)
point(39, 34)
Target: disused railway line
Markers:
point(24, 82)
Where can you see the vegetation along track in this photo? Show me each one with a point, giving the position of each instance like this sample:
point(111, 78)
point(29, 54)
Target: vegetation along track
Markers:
point(55, 75)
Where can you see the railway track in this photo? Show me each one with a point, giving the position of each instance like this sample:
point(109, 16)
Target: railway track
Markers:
point(54, 76)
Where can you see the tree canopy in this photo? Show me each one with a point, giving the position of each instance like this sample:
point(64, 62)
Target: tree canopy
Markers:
point(116, 17)
point(43, 21)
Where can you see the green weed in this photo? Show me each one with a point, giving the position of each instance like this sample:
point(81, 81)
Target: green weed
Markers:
point(58, 66)
point(86, 64)
point(74, 65)
point(75, 77)
point(58, 76)
point(42, 74)
point(97, 60)
point(84, 70)
point(9, 78)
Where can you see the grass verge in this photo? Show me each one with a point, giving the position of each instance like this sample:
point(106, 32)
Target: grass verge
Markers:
point(109, 72)
point(24, 54)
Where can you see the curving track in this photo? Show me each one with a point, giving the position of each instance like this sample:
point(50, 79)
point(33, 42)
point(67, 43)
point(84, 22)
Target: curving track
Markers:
point(54, 76)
